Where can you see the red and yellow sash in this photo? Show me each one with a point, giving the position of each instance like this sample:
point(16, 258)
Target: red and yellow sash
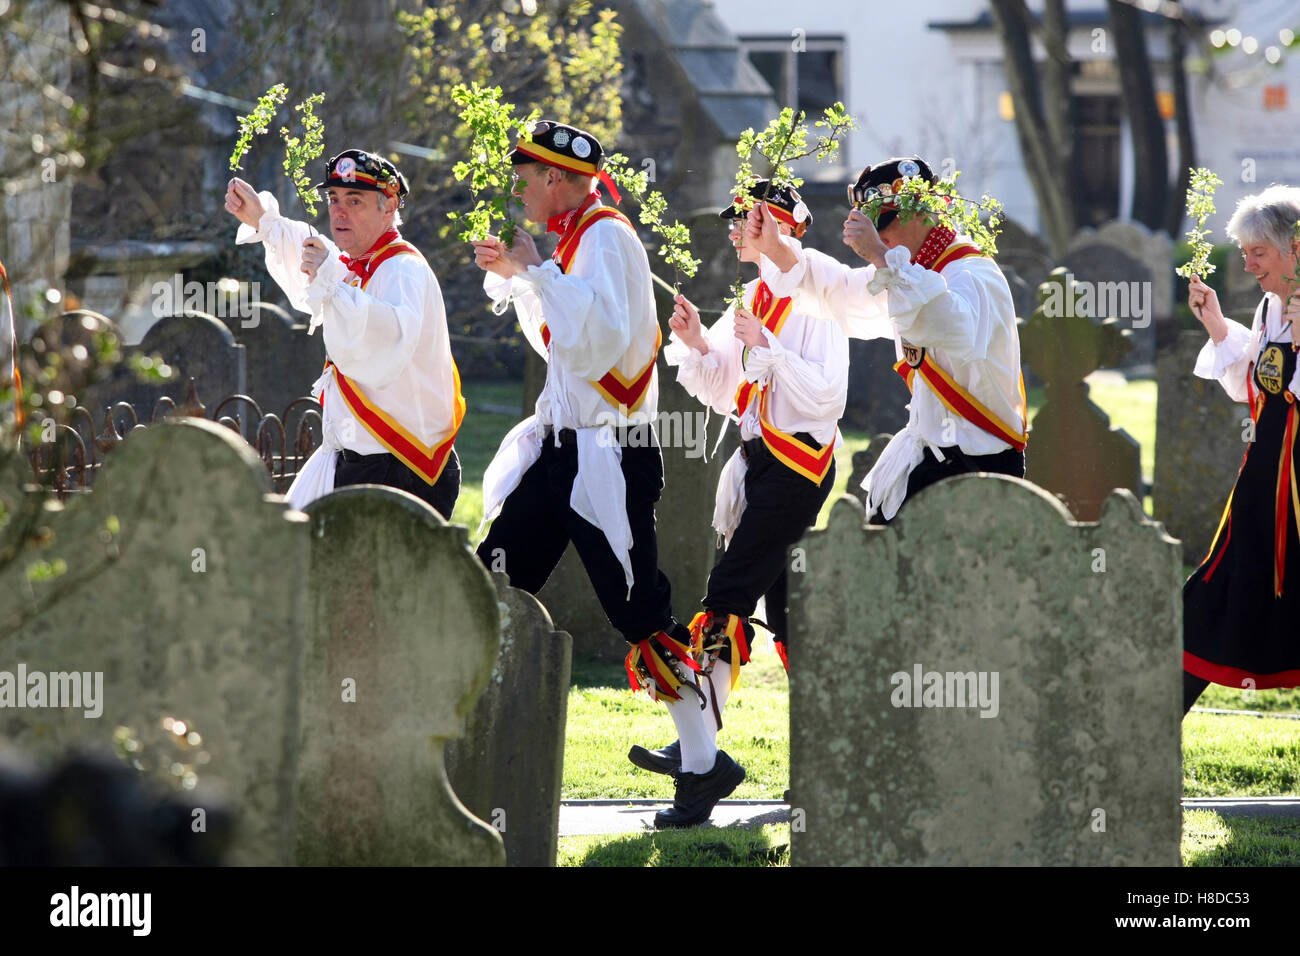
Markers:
point(955, 398)
point(1287, 499)
point(427, 461)
point(796, 455)
point(619, 390)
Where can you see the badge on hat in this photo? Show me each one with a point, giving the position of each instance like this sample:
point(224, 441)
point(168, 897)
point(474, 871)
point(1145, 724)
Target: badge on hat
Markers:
point(561, 140)
point(907, 168)
point(346, 169)
point(581, 148)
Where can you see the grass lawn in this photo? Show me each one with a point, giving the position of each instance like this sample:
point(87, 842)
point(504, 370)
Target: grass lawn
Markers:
point(1212, 840)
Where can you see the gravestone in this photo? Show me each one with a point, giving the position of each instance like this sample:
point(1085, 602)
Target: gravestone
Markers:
point(878, 397)
point(1073, 451)
point(195, 345)
point(281, 360)
point(863, 462)
point(201, 598)
point(1067, 750)
point(1026, 254)
point(1199, 447)
point(1132, 255)
point(1114, 284)
point(508, 766)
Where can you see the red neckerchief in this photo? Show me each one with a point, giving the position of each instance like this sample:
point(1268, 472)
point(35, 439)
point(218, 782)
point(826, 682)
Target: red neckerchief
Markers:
point(938, 239)
point(564, 220)
point(358, 265)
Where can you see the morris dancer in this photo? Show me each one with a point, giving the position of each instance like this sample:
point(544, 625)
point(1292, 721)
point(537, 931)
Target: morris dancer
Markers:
point(569, 472)
point(390, 393)
point(1241, 607)
point(786, 375)
point(949, 310)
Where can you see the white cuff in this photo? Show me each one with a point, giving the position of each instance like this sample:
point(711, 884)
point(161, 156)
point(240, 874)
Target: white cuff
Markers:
point(678, 353)
point(764, 360)
point(1215, 359)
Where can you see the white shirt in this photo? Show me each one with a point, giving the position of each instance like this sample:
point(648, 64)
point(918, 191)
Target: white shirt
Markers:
point(600, 316)
point(807, 367)
point(1229, 361)
point(964, 316)
point(390, 338)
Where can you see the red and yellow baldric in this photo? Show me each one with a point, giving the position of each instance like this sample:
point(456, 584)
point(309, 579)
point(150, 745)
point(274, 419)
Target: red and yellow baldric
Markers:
point(954, 397)
point(427, 461)
point(619, 390)
point(796, 455)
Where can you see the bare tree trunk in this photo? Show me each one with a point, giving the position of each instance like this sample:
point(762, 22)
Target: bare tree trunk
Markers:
point(1178, 29)
point(1039, 147)
point(1150, 158)
point(1058, 104)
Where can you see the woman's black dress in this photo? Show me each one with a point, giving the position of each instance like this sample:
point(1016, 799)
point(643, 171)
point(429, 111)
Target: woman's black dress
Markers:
point(1241, 607)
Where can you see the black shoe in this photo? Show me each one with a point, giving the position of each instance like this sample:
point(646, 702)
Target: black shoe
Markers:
point(785, 797)
point(698, 793)
point(668, 760)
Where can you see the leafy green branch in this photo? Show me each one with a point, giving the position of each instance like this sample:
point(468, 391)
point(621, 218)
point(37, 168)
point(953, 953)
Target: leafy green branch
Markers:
point(977, 219)
point(675, 245)
point(494, 128)
point(1200, 207)
point(301, 150)
point(257, 122)
point(784, 141)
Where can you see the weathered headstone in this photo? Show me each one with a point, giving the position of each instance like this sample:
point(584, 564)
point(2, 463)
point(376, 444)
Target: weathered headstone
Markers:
point(1200, 440)
point(322, 660)
point(1134, 265)
point(1073, 450)
point(863, 462)
point(508, 766)
point(282, 361)
point(878, 396)
point(1055, 741)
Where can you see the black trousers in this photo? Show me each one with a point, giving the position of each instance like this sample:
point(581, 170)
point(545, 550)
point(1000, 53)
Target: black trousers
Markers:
point(931, 469)
point(780, 506)
point(536, 524)
point(388, 469)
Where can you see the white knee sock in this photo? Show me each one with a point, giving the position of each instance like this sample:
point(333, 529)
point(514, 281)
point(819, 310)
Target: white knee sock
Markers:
point(699, 751)
point(717, 685)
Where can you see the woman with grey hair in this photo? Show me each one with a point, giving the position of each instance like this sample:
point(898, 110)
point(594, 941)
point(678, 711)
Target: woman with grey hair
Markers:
point(1241, 607)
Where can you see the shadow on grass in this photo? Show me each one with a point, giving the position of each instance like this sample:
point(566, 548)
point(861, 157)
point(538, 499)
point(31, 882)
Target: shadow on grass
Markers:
point(702, 846)
point(1210, 839)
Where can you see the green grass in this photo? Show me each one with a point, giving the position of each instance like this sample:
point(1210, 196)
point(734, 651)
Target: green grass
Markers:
point(1208, 840)
point(605, 719)
point(722, 846)
point(1213, 840)
point(1284, 700)
point(1240, 756)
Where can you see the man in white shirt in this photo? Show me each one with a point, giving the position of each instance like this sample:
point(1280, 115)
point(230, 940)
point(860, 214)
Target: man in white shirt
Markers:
point(949, 310)
point(390, 392)
point(786, 375)
point(585, 467)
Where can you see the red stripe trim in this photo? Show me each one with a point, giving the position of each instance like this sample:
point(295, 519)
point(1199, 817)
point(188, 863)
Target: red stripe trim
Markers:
point(954, 397)
point(1235, 676)
point(428, 464)
point(558, 160)
point(1282, 505)
point(568, 246)
point(954, 252)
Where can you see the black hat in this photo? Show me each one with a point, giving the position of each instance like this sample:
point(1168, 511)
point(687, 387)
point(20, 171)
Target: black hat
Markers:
point(358, 169)
point(787, 205)
point(561, 146)
point(885, 180)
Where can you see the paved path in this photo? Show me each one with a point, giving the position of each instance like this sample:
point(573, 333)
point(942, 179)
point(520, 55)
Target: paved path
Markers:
point(581, 817)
